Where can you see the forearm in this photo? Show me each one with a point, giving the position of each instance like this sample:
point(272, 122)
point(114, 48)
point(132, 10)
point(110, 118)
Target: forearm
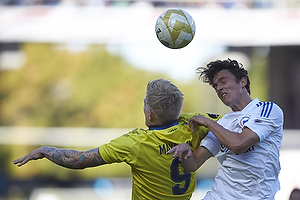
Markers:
point(71, 158)
point(219, 131)
point(195, 161)
point(190, 161)
point(237, 142)
point(224, 136)
point(189, 164)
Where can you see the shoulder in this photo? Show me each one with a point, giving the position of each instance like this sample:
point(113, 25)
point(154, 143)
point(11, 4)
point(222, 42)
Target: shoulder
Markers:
point(187, 116)
point(125, 142)
point(268, 108)
point(213, 116)
point(137, 131)
point(135, 134)
point(129, 137)
point(267, 113)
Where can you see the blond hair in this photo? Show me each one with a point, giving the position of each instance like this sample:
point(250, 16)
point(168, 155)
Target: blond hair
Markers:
point(164, 99)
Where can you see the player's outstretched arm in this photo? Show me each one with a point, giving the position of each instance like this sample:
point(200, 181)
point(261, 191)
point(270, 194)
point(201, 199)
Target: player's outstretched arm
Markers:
point(64, 157)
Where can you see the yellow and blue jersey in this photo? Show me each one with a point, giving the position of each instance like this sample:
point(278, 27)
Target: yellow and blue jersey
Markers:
point(155, 174)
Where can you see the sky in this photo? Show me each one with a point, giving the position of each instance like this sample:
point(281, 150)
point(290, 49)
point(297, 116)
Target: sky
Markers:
point(131, 32)
point(179, 64)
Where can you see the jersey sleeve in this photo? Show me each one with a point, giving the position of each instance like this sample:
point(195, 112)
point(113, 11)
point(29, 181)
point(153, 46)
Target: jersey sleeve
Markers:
point(201, 132)
point(187, 116)
point(267, 119)
point(119, 149)
point(211, 143)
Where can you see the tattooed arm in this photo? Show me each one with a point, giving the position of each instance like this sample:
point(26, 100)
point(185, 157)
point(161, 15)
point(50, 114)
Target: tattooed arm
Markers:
point(64, 157)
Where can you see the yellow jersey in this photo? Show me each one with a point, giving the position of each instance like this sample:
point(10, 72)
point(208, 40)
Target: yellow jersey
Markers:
point(156, 175)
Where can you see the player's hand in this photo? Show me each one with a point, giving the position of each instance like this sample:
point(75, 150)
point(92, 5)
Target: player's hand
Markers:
point(199, 120)
point(192, 125)
point(182, 150)
point(34, 155)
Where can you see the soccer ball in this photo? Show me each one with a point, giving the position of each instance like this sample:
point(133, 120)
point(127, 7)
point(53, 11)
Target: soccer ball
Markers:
point(175, 28)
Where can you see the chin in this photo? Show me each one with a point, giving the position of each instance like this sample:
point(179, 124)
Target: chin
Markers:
point(226, 103)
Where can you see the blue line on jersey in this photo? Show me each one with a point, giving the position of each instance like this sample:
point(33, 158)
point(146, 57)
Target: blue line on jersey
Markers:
point(271, 106)
point(163, 126)
point(263, 109)
point(267, 108)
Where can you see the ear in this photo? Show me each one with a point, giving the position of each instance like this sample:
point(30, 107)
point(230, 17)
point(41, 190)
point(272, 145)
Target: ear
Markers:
point(243, 81)
point(151, 115)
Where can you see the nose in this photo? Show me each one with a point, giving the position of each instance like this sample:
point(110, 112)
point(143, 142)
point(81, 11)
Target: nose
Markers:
point(219, 87)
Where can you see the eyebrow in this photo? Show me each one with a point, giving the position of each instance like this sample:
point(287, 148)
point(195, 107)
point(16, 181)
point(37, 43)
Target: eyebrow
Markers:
point(220, 79)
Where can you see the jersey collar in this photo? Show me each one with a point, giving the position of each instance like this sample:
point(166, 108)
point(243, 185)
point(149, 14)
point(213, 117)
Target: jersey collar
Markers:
point(250, 105)
point(163, 126)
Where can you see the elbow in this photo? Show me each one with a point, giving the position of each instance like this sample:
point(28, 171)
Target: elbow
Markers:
point(80, 166)
point(238, 146)
point(194, 168)
point(239, 149)
point(243, 146)
point(190, 168)
point(75, 165)
point(80, 162)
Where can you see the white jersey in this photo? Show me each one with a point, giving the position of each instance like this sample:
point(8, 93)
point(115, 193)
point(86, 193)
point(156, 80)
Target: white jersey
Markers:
point(254, 173)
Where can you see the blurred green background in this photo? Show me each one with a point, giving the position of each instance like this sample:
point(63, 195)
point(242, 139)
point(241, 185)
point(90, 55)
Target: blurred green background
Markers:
point(56, 88)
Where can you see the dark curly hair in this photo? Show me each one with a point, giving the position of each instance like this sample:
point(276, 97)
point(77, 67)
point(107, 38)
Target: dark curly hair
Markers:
point(206, 74)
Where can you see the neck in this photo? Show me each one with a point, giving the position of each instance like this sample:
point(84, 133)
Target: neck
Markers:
point(241, 103)
point(163, 126)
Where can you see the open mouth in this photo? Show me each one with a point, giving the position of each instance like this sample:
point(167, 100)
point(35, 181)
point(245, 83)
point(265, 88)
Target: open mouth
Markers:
point(223, 95)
